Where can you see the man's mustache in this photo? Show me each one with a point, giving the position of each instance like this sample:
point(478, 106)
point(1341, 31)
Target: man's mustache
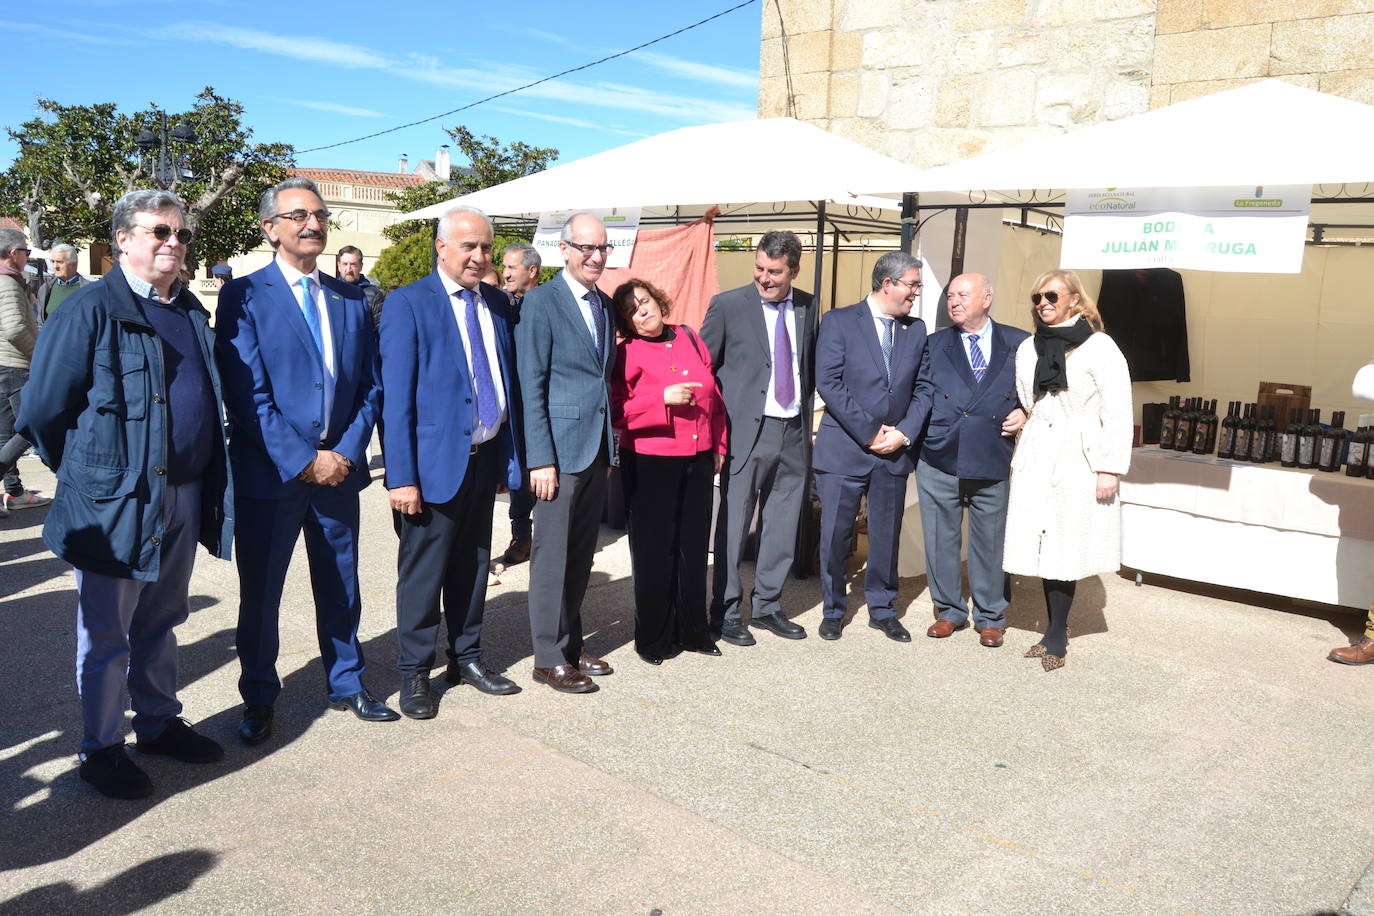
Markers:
point(310, 234)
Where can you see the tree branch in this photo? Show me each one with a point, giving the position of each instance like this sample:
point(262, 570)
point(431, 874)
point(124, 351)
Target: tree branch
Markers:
point(225, 182)
point(93, 198)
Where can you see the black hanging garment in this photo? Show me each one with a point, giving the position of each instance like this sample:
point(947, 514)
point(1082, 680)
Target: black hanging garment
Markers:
point(1144, 312)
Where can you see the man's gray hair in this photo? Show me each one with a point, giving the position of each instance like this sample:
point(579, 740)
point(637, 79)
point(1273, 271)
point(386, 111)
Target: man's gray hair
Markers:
point(63, 252)
point(892, 265)
point(566, 234)
point(529, 255)
point(267, 203)
point(11, 239)
point(780, 243)
point(445, 221)
point(145, 201)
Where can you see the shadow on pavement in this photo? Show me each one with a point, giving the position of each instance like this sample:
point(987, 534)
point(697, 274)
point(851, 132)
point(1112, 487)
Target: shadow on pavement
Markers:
point(140, 887)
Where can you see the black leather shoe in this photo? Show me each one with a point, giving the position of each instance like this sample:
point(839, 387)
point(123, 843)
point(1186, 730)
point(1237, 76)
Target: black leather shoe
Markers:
point(892, 627)
point(114, 775)
point(180, 742)
point(736, 633)
point(366, 707)
point(776, 623)
point(481, 677)
point(708, 649)
point(256, 726)
point(830, 628)
point(417, 700)
point(651, 659)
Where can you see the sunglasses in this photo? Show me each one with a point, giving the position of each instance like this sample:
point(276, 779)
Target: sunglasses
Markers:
point(1051, 297)
point(162, 232)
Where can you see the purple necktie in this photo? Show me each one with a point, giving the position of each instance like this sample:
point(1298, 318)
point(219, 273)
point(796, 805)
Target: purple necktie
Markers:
point(784, 385)
point(488, 408)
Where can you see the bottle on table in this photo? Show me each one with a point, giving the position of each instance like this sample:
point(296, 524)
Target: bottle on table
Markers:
point(1183, 431)
point(1358, 455)
point(1332, 443)
point(1307, 441)
point(1226, 440)
point(1266, 431)
point(1245, 434)
point(1205, 429)
point(1288, 450)
point(1166, 429)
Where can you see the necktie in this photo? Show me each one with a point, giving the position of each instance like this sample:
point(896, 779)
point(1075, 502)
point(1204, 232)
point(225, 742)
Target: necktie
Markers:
point(887, 346)
point(784, 385)
point(598, 322)
point(312, 316)
point(488, 409)
point(975, 358)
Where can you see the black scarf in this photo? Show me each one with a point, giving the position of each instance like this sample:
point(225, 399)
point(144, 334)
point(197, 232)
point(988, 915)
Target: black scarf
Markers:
point(1052, 345)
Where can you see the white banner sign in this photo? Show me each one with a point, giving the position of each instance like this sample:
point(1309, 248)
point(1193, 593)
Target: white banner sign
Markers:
point(1239, 229)
point(622, 224)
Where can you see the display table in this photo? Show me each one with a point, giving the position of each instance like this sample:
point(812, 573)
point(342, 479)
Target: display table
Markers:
point(1284, 531)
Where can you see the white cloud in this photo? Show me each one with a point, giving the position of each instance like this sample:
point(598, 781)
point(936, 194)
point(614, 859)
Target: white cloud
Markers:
point(48, 33)
point(300, 47)
point(335, 108)
point(707, 73)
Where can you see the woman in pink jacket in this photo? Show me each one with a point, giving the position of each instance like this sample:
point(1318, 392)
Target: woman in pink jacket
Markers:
point(668, 409)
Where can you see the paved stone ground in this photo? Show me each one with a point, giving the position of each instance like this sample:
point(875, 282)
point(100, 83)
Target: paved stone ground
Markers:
point(1197, 755)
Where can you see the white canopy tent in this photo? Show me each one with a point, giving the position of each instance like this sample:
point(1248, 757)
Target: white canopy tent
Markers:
point(763, 174)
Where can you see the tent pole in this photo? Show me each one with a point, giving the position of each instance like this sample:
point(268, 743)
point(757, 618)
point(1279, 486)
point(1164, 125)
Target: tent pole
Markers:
point(834, 265)
point(820, 253)
point(910, 200)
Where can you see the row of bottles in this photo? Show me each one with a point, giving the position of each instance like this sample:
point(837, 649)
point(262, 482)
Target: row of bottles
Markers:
point(1250, 432)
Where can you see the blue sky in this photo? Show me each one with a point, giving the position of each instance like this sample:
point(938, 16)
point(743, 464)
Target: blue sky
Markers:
point(327, 72)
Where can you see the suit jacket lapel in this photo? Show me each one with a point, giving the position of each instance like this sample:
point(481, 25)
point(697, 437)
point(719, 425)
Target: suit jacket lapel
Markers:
point(1000, 353)
point(334, 308)
point(444, 322)
point(573, 312)
point(288, 300)
point(866, 328)
point(958, 356)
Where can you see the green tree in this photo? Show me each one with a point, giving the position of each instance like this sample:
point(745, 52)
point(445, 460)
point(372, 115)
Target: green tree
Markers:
point(490, 163)
point(75, 161)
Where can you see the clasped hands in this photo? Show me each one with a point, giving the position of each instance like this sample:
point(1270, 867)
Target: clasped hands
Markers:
point(328, 469)
point(887, 441)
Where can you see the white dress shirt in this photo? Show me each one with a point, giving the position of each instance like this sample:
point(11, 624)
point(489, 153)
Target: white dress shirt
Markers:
point(984, 343)
point(771, 407)
point(480, 433)
point(293, 277)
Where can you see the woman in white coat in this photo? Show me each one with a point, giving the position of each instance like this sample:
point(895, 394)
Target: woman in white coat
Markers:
point(1063, 520)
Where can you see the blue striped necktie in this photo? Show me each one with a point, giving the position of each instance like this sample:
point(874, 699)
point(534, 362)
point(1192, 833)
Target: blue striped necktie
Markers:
point(312, 316)
point(975, 358)
point(488, 408)
point(887, 346)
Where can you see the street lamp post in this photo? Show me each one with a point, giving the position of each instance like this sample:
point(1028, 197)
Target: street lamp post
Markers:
point(169, 166)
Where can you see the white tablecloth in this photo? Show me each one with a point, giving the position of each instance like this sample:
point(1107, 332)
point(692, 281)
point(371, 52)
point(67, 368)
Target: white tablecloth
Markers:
point(1284, 531)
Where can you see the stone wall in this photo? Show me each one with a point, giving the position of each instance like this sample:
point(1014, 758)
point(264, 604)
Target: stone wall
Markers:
point(932, 81)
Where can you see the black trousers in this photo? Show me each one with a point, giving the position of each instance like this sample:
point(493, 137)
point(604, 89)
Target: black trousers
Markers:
point(669, 504)
point(446, 550)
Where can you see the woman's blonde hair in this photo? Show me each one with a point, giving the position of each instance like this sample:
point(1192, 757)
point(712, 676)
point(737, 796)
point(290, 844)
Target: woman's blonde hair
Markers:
point(1085, 307)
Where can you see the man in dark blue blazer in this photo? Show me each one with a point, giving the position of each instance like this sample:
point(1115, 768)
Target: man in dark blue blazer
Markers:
point(565, 346)
point(302, 389)
point(873, 372)
point(450, 423)
point(966, 459)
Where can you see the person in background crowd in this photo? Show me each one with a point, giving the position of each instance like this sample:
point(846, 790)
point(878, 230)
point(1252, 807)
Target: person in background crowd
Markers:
point(62, 282)
point(1063, 517)
point(18, 334)
point(124, 405)
point(762, 342)
point(667, 405)
point(450, 422)
point(520, 268)
point(966, 459)
point(221, 274)
point(564, 346)
point(348, 267)
point(302, 388)
point(873, 372)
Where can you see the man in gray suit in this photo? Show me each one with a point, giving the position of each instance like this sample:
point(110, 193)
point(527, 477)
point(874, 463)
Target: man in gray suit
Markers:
point(564, 347)
point(763, 343)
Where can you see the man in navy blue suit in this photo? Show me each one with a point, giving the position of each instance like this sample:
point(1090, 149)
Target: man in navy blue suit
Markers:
point(873, 372)
point(450, 423)
point(302, 389)
point(966, 459)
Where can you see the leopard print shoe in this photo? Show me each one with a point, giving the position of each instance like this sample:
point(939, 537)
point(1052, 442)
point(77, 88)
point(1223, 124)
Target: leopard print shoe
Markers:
point(1051, 662)
point(1036, 651)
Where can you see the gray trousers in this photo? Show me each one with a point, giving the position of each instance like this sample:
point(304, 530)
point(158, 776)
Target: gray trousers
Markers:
point(944, 498)
point(773, 478)
point(12, 380)
point(565, 533)
point(124, 633)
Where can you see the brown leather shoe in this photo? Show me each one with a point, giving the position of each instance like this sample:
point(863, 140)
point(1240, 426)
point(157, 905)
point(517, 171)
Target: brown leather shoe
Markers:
point(1362, 653)
point(592, 666)
point(990, 637)
point(942, 628)
point(564, 678)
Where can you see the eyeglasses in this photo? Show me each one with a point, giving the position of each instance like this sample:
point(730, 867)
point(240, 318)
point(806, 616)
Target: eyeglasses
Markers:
point(26, 251)
point(916, 285)
point(301, 216)
point(1050, 297)
point(588, 249)
point(162, 232)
